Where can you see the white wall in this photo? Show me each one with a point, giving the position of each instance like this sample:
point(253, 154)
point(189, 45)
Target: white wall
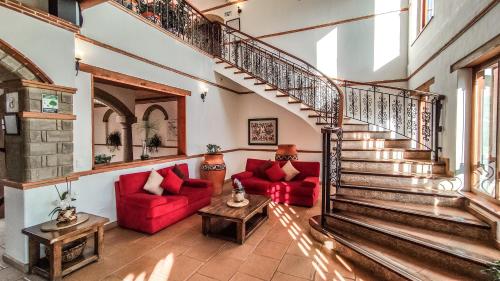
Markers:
point(366, 50)
point(51, 48)
point(450, 17)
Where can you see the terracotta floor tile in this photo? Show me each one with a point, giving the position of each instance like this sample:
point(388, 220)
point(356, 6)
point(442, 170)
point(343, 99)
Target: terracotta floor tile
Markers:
point(271, 249)
point(259, 266)
point(10, 274)
point(190, 237)
point(236, 251)
point(280, 234)
point(167, 248)
point(244, 277)
point(205, 250)
point(278, 276)
point(221, 268)
point(297, 266)
point(199, 277)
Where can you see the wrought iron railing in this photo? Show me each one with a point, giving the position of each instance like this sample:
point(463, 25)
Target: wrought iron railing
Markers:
point(413, 114)
point(331, 168)
point(277, 68)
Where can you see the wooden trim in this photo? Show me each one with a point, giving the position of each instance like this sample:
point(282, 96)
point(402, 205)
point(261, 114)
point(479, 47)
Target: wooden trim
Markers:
point(142, 59)
point(455, 37)
point(181, 126)
point(39, 15)
point(16, 84)
point(92, 97)
point(13, 52)
point(334, 23)
point(121, 166)
point(480, 55)
point(85, 4)
point(234, 2)
point(425, 87)
point(139, 145)
point(120, 79)
point(43, 115)
point(30, 185)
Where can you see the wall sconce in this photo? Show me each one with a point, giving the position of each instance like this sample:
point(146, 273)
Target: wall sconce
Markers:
point(239, 10)
point(77, 65)
point(204, 96)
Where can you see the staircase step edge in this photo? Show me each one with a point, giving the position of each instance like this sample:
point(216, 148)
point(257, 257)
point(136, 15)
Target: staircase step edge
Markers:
point(417, 241)
point(414, 212)
point(409, 190)
point(314, 223)
point(398, 175)
point(398, 161)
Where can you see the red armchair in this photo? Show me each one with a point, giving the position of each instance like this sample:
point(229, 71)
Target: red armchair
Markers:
point(145, 212)
point(302, 190)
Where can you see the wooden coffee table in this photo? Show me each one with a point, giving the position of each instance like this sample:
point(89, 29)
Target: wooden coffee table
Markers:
point(234, 224)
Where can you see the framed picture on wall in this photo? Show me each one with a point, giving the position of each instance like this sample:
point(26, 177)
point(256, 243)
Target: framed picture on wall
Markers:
point(263, 131)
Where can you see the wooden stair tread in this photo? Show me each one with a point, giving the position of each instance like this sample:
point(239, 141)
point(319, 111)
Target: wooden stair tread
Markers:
point(397, 161)
point(395, 149)
point(404, 265)
point(410, 190)
point(397, 174)
point(438, 212)
point(375, 139)
point(473, 250)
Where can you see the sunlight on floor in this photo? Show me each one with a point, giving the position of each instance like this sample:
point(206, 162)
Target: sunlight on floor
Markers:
point(161, 271)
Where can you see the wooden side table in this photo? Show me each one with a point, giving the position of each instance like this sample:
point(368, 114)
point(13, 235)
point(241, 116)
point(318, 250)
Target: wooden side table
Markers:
point(52, 267)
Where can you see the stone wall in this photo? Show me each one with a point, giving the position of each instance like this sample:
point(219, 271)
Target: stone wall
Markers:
point(44, 147)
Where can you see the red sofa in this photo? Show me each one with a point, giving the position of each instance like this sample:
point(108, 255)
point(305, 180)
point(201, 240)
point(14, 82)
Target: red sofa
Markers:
point(145, 212)
point(303, 190)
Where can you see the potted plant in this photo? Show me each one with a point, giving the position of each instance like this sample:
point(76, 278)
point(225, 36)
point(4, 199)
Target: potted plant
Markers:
point(213, 167)
point(493, 270)
point(114, 141)
point(103, 159)
point(153, 143)
point(147, 128)
point(66, 212)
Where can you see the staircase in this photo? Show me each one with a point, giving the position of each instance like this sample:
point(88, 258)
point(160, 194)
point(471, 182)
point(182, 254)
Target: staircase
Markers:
point(398, 214)
point(393, 209)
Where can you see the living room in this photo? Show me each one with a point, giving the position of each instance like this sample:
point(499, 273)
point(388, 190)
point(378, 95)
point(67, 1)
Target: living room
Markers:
point(162, 94)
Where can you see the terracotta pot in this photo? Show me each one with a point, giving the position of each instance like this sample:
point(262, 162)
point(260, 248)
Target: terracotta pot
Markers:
point(286, 152)
point(152, 17)
point(213, 169)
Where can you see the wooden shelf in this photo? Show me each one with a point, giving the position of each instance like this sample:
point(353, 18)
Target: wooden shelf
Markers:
point(43, 115)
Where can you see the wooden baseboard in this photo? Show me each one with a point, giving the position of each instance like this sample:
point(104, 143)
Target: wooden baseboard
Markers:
point(15, 263)
point(110, 225)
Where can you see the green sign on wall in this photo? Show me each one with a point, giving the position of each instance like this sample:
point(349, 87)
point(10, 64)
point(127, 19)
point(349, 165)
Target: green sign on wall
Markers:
point(50, 103)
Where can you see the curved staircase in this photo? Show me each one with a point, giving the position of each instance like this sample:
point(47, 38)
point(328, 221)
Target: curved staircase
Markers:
point(394, 211)
point(398, 214)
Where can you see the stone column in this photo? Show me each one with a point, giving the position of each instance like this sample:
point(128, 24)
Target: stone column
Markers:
point(128, 149)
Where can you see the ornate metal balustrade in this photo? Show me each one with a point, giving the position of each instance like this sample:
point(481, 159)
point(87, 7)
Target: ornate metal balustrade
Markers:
point(331, 164)
point(409, 113)
point(275, 67)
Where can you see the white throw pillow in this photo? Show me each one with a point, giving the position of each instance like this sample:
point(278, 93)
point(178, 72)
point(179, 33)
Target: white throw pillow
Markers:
point(153, 183)
point(290, 171)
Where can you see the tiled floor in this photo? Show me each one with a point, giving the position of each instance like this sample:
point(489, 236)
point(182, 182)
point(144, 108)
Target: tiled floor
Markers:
point(281, 249)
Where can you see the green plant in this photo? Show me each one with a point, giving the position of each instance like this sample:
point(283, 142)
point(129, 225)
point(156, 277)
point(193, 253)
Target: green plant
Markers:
point(213, 148)
point(65, 199)
point(103, 159)
point(114, 140)
point(153, 143)
point(493, 270)
point(148, 127)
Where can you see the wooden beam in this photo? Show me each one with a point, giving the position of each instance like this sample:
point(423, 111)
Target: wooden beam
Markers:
point(43, 115)
point(181, 126)
point(124, 80)
point(85, 4)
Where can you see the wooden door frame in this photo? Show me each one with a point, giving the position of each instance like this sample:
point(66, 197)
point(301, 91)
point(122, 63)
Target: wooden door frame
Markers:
point(473, 138)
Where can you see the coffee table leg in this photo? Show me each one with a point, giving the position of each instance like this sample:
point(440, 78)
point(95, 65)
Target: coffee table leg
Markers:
point(205, 222)
point(34, 253)
point(55, 262)
point(98, 241)
point(240, 232)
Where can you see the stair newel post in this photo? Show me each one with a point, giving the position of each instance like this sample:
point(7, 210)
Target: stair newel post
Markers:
point(325, 177)
point(438, 106)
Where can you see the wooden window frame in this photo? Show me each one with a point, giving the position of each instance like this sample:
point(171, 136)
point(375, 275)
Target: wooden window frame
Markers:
point(124, 80)
point(473, 137)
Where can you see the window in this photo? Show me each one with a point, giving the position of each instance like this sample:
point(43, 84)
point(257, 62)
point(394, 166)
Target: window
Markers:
point(426, 13)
